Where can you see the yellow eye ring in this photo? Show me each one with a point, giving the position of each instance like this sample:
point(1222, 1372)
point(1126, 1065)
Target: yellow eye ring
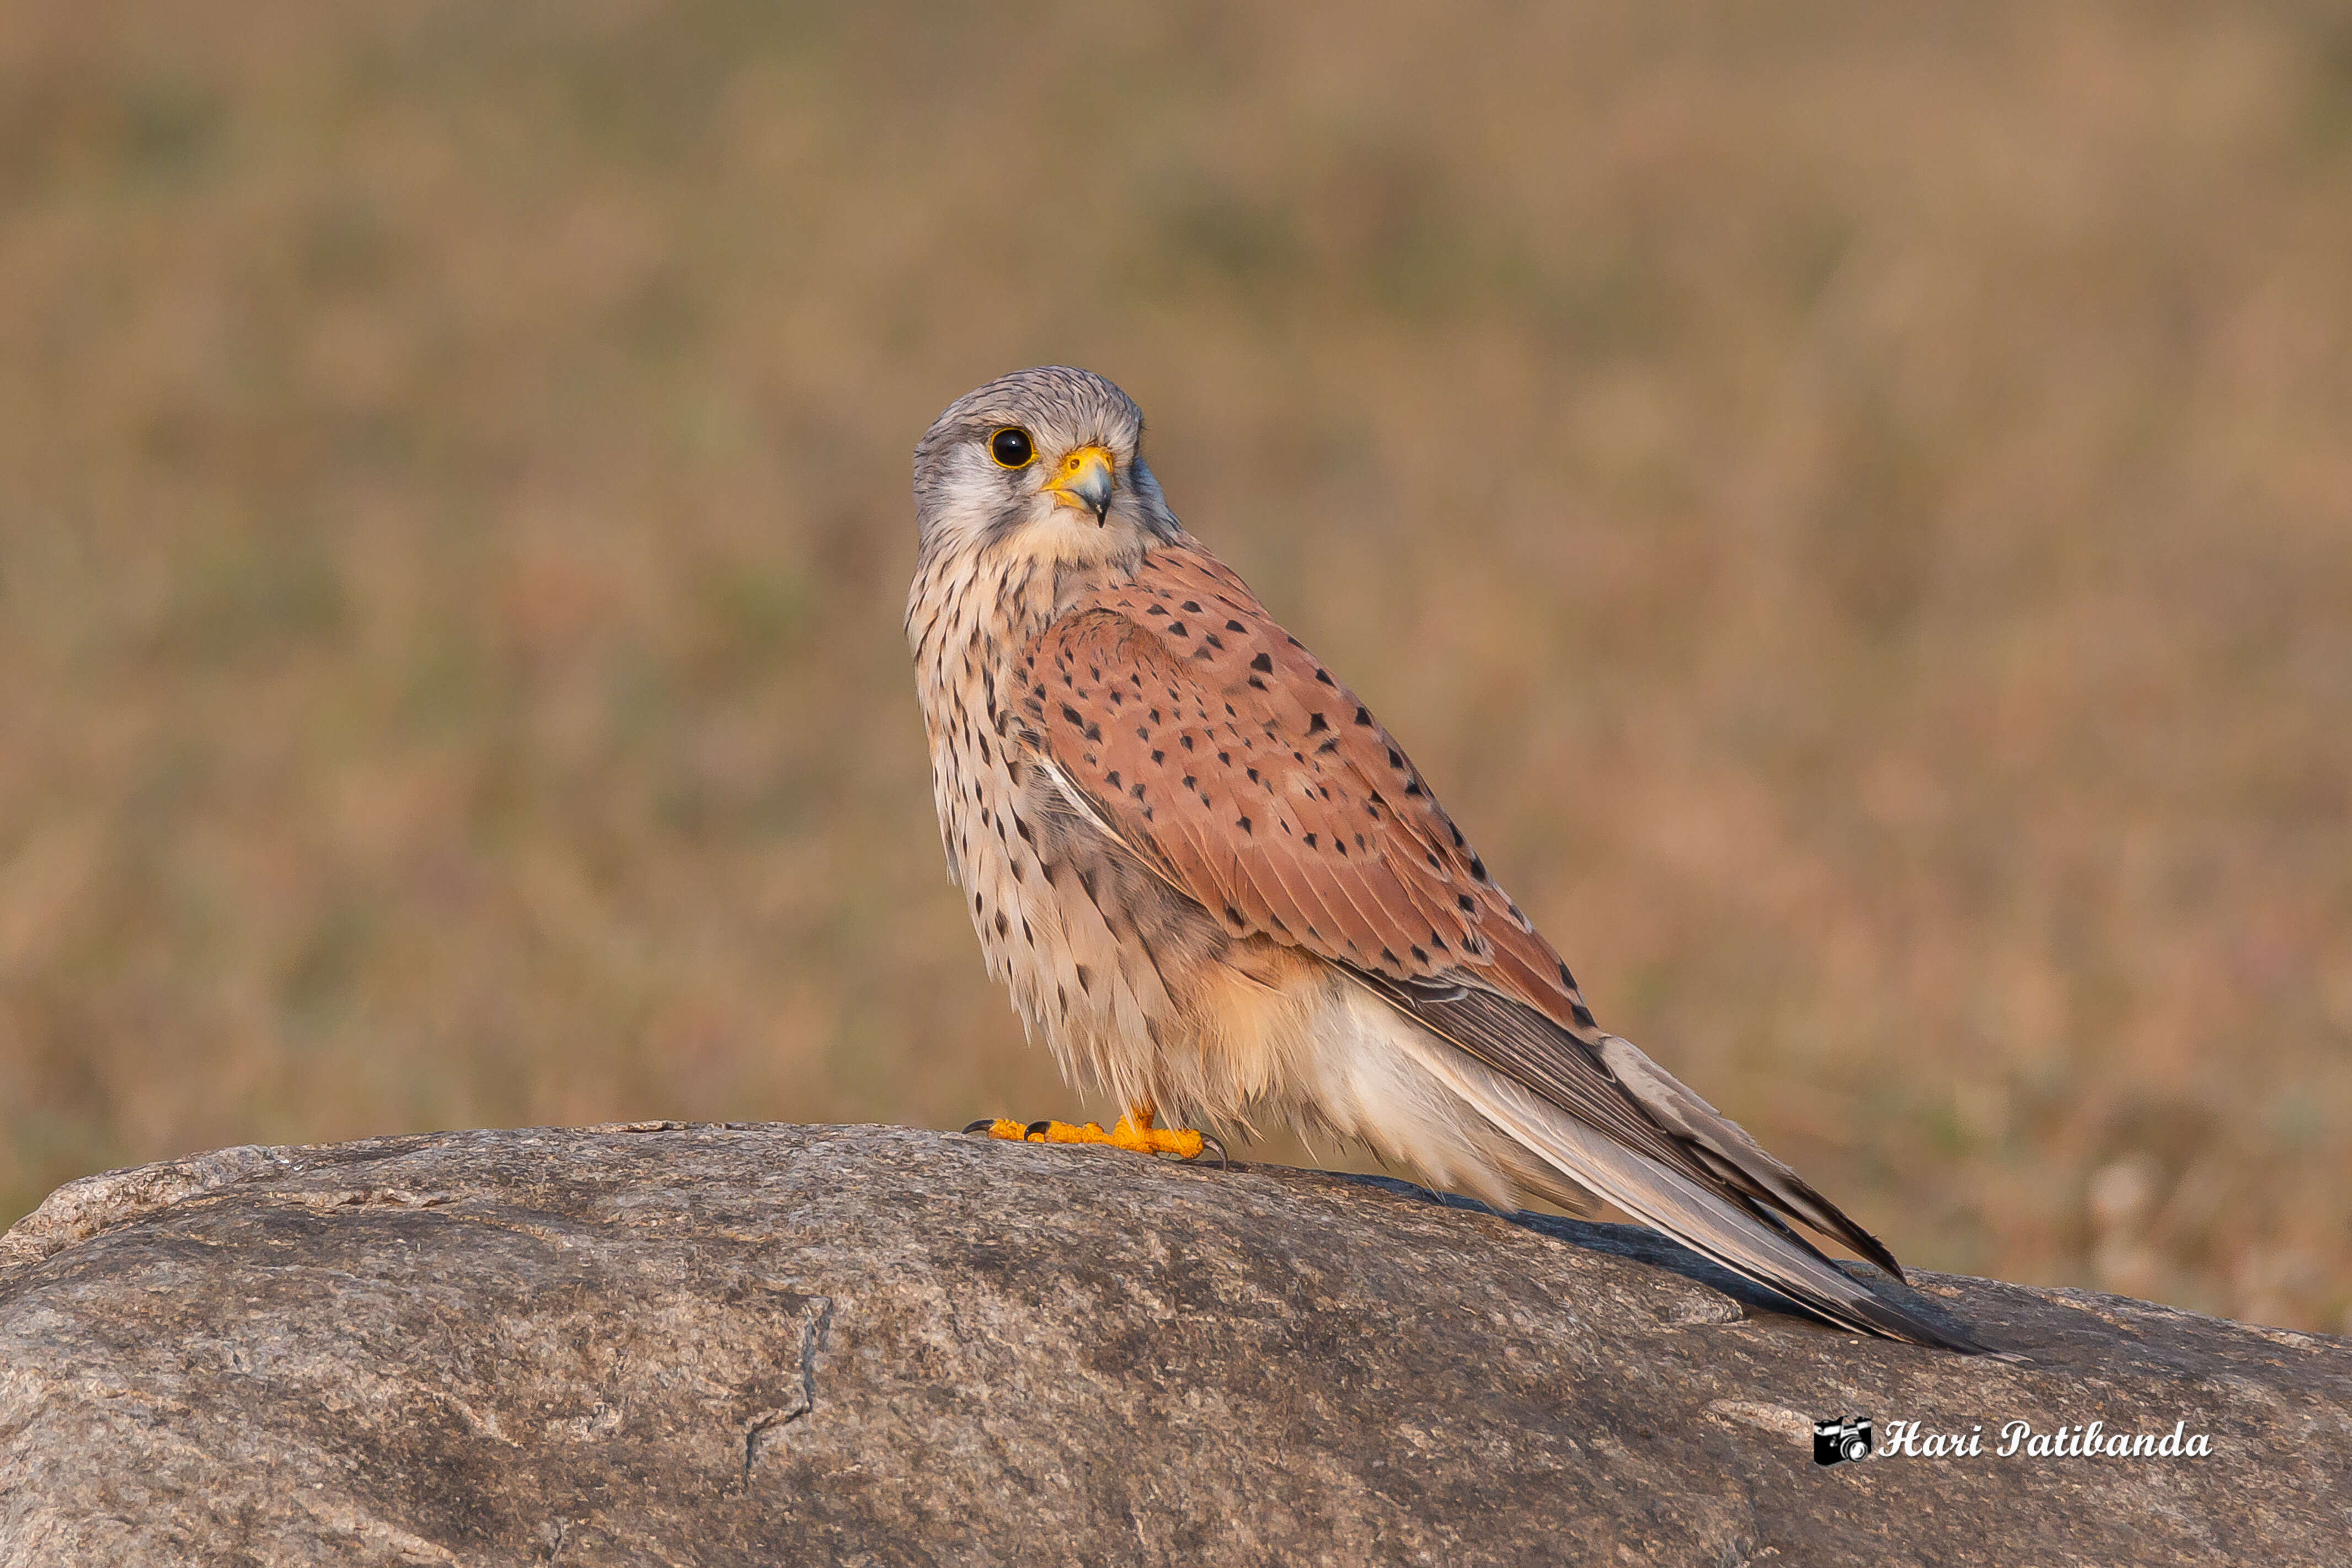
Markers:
point(1012, 448)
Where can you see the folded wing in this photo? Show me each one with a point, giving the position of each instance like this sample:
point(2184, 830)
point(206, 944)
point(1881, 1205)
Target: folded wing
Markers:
point(1219, 750)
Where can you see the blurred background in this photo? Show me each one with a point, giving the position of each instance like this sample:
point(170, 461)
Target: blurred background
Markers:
point(1850, 503)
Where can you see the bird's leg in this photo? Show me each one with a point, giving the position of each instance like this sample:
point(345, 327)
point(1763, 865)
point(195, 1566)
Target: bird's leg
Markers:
point(1134, 1132)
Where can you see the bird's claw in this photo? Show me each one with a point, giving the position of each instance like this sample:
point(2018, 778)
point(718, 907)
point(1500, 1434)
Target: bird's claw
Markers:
point(1134, 1133)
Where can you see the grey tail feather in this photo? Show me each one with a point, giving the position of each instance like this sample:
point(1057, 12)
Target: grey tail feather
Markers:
point(1769, 1254)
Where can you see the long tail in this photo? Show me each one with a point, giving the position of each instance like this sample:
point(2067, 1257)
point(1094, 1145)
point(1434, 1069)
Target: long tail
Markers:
point(1705, 1223)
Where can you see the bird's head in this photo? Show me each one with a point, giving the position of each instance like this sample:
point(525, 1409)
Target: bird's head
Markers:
point(1048, 459)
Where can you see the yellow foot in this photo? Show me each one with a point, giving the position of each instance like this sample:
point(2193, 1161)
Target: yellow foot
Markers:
point(1134, 1132)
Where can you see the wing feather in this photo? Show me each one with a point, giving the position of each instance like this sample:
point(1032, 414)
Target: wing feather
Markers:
point(1700, 1218)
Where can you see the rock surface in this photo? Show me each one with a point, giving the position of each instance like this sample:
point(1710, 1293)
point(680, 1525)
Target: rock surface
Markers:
point(753, 1345)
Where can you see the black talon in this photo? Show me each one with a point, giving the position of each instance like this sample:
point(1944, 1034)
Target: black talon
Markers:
point(981, 1125)
point(1209, 1140)
point(1036, 1129)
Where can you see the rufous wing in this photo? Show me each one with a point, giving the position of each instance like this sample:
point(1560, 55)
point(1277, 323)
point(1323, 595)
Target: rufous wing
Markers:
point(1264, 788)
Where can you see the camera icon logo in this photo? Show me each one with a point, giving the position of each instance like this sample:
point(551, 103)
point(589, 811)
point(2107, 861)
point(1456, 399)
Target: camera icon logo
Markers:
point(1836, 1441)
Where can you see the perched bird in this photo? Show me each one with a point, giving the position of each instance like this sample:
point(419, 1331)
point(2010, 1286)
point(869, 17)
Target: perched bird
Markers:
point(1219, 887)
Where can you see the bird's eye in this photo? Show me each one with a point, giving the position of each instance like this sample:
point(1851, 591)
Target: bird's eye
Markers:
point(1010, 447)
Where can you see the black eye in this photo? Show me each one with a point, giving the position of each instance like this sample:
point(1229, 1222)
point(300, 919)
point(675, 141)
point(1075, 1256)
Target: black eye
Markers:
point(1011, 447)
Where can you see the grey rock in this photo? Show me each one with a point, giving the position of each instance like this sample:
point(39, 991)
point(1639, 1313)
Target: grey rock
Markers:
point(659, 1343)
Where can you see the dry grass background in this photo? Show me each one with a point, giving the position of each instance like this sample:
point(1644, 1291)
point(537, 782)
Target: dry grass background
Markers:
point(1851, 503)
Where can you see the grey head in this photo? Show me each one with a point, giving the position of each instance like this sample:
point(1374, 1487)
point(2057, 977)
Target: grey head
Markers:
point(1051, 457)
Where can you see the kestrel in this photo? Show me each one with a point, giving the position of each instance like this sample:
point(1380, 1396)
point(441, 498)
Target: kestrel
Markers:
point(1217, 885)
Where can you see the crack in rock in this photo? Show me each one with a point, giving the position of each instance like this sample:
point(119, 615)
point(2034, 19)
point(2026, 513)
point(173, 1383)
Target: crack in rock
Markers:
point(814, 1332)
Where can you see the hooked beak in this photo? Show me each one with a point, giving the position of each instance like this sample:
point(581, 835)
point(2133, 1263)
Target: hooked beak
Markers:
point(1085, 481)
